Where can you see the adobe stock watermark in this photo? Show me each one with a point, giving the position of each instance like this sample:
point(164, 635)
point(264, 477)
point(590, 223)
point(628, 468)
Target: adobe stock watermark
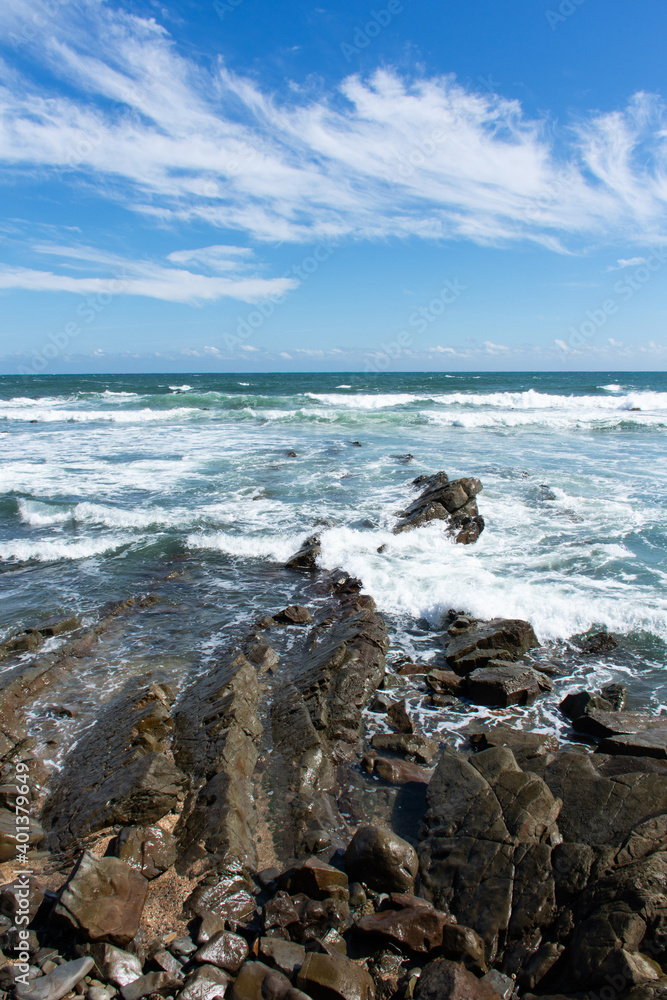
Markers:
point(86, 313)
point(420, 320)
point(42, 13)
point(364, 34)
point(22, 879)
point(565, 9)
point(225, 7)
point(625, 289)
point(248, 326)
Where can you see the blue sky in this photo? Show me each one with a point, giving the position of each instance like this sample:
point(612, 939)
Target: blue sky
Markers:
point(254, 185)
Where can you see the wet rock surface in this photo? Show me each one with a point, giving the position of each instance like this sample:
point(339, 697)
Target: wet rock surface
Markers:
point(442, 500)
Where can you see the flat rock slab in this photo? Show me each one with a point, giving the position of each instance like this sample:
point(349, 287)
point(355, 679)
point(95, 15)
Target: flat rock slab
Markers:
point(596, 722)
point(334, 977)
point(504, 684)
point(652, 743)
point(103, 900)
point(513, 635)
point(57, 983)
point(421, 748)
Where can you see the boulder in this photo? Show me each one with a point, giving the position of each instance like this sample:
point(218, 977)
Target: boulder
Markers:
point(249, 982)
point(315, 879)
point(103, 900)
point(413, 745)
point(205, 983)
point(444, 681)
point(295, 614)
point(413, 928)
point(447, 980)
point(600, 642)
point(453, 502)
point(577, 703)
point(225, 950)
point(463, 944)
point(286, 956)
point(306, 558)
point(225, 893)
point(397, 714)
point(115, 965)
point(57, 983)
point(599, 723)
point(652, 743)
point(501, 684)
point(334, 977)
point(381, 860)
point(149, 849)
point(512, 635)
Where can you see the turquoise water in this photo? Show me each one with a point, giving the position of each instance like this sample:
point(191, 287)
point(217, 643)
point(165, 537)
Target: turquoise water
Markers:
point(109, 482)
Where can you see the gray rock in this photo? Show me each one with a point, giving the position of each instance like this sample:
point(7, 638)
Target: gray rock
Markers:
point(152, 982)
point(115, 965)
point(58, 983)
point(306, 558)
point(205, 983)
point(226, 950)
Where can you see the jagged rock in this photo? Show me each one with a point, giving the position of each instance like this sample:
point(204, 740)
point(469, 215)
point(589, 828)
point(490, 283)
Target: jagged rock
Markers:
point(470, 529)
point(103, 900)
point(315, 879)
point(503, 985)
point(263, 656)
point(226, 950)
point(577, 704)
point(601, 642)
point(204, 983)
point(539, 964)
point(305, 919)
point(399, 717)
point(463, 944)
point(486, 853)
point(444, 681)
point(599, 723)
point(306, 557)
point(512, 635)
point(616, 694)
point(57, 983)
point(166, 962)
point(523, 744)
point(380, 859)
point(417, 928)
point(286, 956)
point(334, 977)
point(380, 702)
point(295, 614)
point(395, 772)
point(149, 849)
point(217, 732)
point(153, 982)
point(225, 892)
point(111, 777)
point(414, 745)
point(452, 502)
point(503, 684)
point(446, 980)
point(115, 965)
point(8, 842)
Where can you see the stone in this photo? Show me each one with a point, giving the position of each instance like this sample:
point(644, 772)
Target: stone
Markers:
point(263, 656)
point(399, 718)
point(395, 772)
point(616, 694)
point(8, 842)
point(315, 879)
point(306, 558)
point(599, 723)
point(115, 965)
point(334, 977)
point(286, 956)
point(295, 614)
point(226, 950)
point(463, 944)
point(447, 980)
point(444, 681)
point(417, 928)
point(577, 703)
point(249, 982)
point(103, 900)
point(503, 985)
point(502, 684)
point(210, 925)
point(205, 983)
point(167, 963)
point(380, 702)
point(305, 919)
point(512, 635)
point(599, 643)
point(152, 982)
point(652, 743)
point(149, 849)
point(414, 745)
point(57, 983)
point(380, 859)
point(182, 947)
point(470, 529)
point(225, 893)
point(13, 898)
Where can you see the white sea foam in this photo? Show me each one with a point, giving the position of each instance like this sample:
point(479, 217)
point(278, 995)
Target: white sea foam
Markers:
point(275, 547)
point(54, 550)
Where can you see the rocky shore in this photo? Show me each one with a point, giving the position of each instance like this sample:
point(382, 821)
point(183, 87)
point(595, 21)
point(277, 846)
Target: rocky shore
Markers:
point(279, 828)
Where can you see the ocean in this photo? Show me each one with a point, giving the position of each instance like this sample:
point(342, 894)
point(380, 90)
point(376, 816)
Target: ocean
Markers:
point(114, 485)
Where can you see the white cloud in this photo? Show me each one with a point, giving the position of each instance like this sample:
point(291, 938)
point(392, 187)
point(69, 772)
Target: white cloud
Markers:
point(627, 262)
point(248, 347)
point(383, 156)
point(491, 348)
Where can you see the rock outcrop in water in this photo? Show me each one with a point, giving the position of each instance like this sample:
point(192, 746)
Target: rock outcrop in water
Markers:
point(442, 500)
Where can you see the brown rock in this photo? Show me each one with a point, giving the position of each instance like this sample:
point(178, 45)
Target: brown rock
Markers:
point(334, 977)
point(115, 965)
point(149, 849)
point(11, 902)
point(395, 772)
point(514, 636)
point(399, 718)
point(414, 745)
point(306, 557)
point(503, 684)
point(315, 879)
point(286, 956)
point(295, 614)
point(153, 982)
point(417, 928)
point(444, 681)
point(204, 983)
point(103, 899)
point(8, 840)
point(446, 980)
point(381, 860)
point(463, 944)
point(225, 950)
point(652, 743)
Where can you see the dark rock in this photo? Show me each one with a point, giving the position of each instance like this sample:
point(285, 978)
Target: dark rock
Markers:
point(420, 747)
point(286, 956)
point(149, 849)
point(463, 944)
point(395, 772)
point(167, 963)
point(217, 734)
point(153, 982)
point(225, 950)
point(399, 718)
point(291, 454)
point(204, 983)
point(13, 898)
point(8, 842)
point(452, 502)
point(479, 658)
point(416, 928)
point(381, 860)
point(306, 557)
point(577, 704)
point(315, 879)
point(305, 919)
point(470, 528)
point(599, 723)
point(329, 977)
point(57, 983)
point(103, 900)
point(503, 985)
point(503, 684)
point(410, 669)
point(249, 984)
point(380, 702)
point(446, 980)
point(263, 656)
point(444, 681)
point(210, 924)
point(616, 694)
point(295, 614)
point(112, 777)
point(225, 893)
point(514, 636)
point(601, 642)
point(539, 964)
point(523, 744)
point(652, 743)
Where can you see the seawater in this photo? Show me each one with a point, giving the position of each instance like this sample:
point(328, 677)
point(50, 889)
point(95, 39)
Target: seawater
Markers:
point(109, 482)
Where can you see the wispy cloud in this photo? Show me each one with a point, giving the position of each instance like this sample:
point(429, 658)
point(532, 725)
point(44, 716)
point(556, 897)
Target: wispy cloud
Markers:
point(382, 156)
point(627, 262)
